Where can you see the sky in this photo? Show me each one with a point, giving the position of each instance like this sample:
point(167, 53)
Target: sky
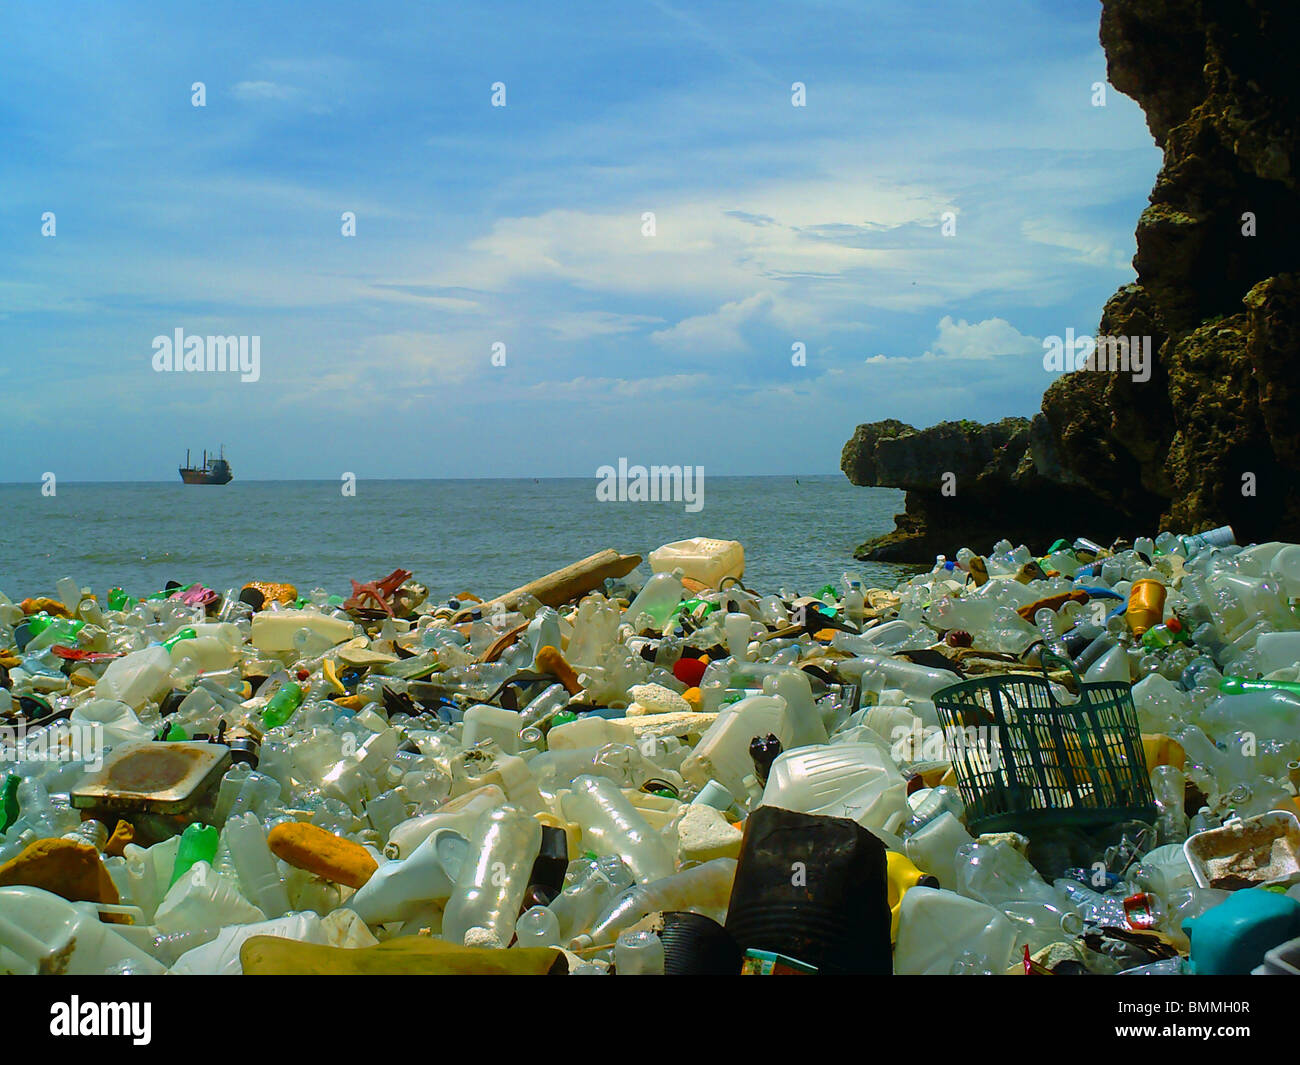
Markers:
point(624, 260)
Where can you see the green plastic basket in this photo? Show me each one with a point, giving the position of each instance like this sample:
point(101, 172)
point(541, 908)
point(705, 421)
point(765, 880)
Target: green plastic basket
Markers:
point(1026, 761)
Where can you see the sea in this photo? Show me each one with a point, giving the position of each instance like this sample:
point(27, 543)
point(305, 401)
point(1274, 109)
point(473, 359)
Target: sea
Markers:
point(481, 536)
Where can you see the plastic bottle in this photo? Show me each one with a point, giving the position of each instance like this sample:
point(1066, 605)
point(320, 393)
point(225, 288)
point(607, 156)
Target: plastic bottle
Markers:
point(494, 875)
point(281, 707)
point(639, 954)
point(936, 927)
point(703, 888)
point(399, 889)
point(613, 825)
point(198, 844)
point(537, 927)
point(658, 598)
point(258, 873)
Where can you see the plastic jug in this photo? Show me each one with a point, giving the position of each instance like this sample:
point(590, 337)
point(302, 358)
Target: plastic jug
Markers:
point(203, 898)
point(806, 723)
point(273, 630)
point(108, 722)
point(461, 814)
point(933, 847)
point(484, 722)
point(140, 677)
point(658, 598)
point(723, 751)
point(936, 926)
point(853, 780)
point(701, 558)
point(43, 933)
point(399, 889)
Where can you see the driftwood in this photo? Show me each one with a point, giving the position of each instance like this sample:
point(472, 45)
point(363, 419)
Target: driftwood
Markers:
point(556, 589)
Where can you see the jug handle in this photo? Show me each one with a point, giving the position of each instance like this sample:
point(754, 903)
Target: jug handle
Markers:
point(21, 942)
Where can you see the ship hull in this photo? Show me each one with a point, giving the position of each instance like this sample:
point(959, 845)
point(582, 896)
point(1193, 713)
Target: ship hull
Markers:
point(199, 477)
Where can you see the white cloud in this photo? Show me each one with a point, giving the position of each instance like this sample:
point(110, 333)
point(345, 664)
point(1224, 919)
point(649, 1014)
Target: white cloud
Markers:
point(1088, 245)
point(262, 90)
point(718, 331)
point(583, 325)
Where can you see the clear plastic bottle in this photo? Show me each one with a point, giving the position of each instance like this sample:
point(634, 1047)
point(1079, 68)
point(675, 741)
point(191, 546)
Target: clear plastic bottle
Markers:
point(639, 954)
point(494, 875)
point(614, 826)
point(255, 865)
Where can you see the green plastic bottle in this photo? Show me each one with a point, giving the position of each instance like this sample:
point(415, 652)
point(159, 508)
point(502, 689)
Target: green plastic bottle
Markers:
point(198, 844)
point(1240, 685)
point(9, 802)
point(178, 636)
point(282, 705)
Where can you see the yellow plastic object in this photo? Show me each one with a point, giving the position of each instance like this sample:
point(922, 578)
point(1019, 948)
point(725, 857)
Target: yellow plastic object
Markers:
point(405, 956)
point(274, 591)
point(902, 876)
point(549, 660)
point(1160, 749)
point(310, 847)
point(44, 605)
point(1146, 604)
point(332, 677)
point(694, 697)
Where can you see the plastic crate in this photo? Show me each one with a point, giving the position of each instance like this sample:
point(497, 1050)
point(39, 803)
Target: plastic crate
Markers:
point(1026, 761)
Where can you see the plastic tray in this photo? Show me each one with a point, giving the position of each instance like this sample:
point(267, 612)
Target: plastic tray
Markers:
point(1260, 850)
point(160, 778)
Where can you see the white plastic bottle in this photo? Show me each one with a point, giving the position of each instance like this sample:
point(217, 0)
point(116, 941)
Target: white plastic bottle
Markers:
point(259, 876)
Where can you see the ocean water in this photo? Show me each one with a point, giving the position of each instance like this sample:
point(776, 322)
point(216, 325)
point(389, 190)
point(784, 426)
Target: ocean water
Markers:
point(483, 536)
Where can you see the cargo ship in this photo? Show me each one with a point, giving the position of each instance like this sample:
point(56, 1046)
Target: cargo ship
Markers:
point(213, 471)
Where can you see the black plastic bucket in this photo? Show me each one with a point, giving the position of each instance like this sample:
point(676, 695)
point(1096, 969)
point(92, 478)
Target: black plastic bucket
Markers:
point(814, 889)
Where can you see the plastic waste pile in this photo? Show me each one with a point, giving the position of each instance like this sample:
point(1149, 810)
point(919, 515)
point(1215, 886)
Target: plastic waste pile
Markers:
point(611, 772)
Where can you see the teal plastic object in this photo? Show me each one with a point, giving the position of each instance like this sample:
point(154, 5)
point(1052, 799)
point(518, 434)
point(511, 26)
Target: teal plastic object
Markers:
point(1233, 937)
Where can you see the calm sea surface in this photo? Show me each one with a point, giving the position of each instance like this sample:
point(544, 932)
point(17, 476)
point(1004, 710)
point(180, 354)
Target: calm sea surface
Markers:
point(483, 536)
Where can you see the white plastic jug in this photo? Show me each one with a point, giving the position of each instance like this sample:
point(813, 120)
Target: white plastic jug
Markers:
point(723, 751)
point(41, 932)
point(853, 780)
point(483, 722)
point(701, 558)
point(460, 814)
point(106, 722)
point(220, 956)
point(400, 889)
point(273, 630)
point(933, 848)
point(138, 678)
point(936, 926)
point(203, 898)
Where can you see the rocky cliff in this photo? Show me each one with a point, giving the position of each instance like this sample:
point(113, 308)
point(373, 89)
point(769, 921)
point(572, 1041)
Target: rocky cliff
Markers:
point(1213, 437)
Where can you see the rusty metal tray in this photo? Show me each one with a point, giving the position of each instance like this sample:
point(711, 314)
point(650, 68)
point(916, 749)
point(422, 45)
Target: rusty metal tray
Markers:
point(161, 778)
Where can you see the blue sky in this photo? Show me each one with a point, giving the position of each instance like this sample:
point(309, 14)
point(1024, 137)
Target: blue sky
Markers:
point(522, 225)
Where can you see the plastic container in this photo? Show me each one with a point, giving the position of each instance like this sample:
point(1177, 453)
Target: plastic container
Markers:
point(43, 933)
point(700, 558)
point(259, 876)
point(1023, 760)
point(139, 678)
point(853, 780)
point(1259, 850)
point(814, 889)
point(1281, 961)
point(935, 927)
point(1232, 938)
point(493, 875)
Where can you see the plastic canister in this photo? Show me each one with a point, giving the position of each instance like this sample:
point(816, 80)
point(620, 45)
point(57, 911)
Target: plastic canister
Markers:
point(1146, 603)
point(936, 926)
point(701, 558)
point(48, 934)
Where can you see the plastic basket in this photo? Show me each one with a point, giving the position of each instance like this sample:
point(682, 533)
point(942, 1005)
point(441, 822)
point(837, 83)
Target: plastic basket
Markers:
point(1026, 761)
